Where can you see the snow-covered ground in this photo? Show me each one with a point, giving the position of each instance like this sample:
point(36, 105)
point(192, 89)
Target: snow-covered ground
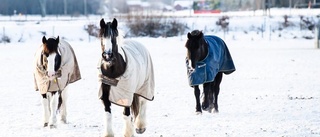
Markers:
point(275, 90)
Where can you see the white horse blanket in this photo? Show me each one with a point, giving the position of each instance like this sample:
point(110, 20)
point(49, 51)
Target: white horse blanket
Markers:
point(138, 77)
point(69, 70)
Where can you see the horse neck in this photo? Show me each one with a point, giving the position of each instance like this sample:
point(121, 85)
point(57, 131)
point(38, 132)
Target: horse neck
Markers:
point(203, 50)
point(117, 69)
point(119, 65)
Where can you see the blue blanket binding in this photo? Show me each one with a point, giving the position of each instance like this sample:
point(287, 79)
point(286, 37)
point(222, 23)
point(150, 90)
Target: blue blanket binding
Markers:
point(217, 60)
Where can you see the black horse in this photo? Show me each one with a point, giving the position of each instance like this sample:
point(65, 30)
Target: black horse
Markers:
point(127, 79)
point(210, 58)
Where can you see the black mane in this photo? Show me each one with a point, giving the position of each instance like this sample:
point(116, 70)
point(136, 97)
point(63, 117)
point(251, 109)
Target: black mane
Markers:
point(50, 45)
point(108, 29)
point(116, 64)
point(197, 47)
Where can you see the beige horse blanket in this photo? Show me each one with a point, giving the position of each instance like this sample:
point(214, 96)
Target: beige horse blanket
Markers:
point(138, 78)
point(69, 70)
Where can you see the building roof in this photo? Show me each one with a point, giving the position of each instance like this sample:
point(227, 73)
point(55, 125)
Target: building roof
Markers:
point(183, 3)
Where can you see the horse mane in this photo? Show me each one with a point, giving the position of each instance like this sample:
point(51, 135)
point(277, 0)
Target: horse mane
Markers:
point(196, 41)
point(110, 30)
point(50, 45)
point(196, 33)
point(193, 39)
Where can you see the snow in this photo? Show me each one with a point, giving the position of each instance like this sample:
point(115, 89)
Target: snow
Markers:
point(275, 90)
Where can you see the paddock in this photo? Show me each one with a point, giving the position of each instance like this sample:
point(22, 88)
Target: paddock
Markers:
point(274, 92)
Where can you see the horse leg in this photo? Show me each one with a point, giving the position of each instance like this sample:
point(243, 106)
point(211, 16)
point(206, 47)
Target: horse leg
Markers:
point(128, 120)
point(107, 108)
point(62, 106)
point(54, 96)
point(140, 118)
point(46, 110)
point(207, 99)
point(197, 96)
point(216, 90)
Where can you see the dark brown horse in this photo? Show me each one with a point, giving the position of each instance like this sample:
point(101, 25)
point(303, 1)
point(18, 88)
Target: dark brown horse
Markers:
point(210, 58)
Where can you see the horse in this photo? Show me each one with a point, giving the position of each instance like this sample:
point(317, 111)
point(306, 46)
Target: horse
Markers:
point(56, 67)
point(127, 79)
point(210, 59)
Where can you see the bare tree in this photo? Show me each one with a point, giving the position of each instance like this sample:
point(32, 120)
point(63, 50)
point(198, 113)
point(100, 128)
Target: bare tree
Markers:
point(65, 4)
point(85, 7)
point(43, 7)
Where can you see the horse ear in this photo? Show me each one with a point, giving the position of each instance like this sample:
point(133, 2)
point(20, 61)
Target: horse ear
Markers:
point(102, 23)
point(114, 23)
point(57, 39)
point(200, 35)
point(44, 40)
point(189, 35)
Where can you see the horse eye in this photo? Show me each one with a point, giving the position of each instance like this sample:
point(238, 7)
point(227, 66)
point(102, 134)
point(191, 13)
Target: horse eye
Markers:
point(46, 54)
point(104, 54)
point(110, 54)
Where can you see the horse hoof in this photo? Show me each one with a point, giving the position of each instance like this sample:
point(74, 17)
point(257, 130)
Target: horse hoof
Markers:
point(209, 108)
point(140, 131)
point(215, 111)
point(45, 124)
point(63, 121)
point(198, 113)
point(53, 126)
point(109, 135)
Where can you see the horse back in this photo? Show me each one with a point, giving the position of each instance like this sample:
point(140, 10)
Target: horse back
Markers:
point(138, 78)
point(220, 54)
point(70, 61)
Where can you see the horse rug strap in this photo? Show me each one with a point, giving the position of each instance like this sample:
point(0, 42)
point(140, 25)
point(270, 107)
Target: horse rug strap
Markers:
point(138, 78)
point(217, 60)
point(69, 70)
point(107, 80)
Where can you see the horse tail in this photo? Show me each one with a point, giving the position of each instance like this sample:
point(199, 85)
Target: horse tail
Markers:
point(59, 101)
point(135, 105)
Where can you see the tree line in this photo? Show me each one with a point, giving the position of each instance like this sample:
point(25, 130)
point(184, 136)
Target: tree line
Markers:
point(84, 7)
point(51, 7)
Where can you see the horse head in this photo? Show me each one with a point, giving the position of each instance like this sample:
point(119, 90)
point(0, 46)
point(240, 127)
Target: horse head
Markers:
point(51, 56)
point(197, 47)
point(109, 34)
point(113, 62)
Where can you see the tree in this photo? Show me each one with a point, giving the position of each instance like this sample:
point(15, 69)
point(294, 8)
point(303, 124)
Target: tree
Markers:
point(50, 7)
point(43, 7)
point(65, 5)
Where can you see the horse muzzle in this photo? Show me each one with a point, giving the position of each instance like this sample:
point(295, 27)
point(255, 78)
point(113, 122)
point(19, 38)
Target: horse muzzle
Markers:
point(107, 63)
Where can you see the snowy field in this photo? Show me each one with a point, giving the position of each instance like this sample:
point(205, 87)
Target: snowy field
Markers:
point(275, 90)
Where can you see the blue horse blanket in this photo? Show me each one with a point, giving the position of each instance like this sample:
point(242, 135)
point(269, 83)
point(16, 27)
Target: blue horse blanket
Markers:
point(217, 60)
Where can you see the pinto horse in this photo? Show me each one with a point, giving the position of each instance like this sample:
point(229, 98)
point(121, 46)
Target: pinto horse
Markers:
point(55, 67)
point(210, 58)
point(127, 78)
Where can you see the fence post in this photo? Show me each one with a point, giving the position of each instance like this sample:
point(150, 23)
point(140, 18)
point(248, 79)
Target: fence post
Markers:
point(53, 30)
point(3, 36)
point(317, 35)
